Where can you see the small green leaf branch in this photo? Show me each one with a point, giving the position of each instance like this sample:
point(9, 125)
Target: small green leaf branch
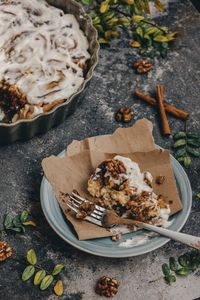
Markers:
point(42, 277)
point(110, 16)
point(186, 264)
point(17, 223)
point(186, 146)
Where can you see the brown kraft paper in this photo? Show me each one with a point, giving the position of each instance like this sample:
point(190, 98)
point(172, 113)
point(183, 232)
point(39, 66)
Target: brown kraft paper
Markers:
point(73, 170)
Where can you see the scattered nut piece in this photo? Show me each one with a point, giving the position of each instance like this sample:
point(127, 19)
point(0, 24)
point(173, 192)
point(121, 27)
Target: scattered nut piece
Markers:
point(5, 250)
point(142, 66)
point(160, 179)
point(124, 114)
point(86, 208)
point(107, 286)
point(116, 237)
point(161, 201)
point(81, 215)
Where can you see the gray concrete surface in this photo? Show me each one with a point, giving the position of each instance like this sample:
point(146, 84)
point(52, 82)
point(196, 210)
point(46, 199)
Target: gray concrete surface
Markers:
point(111, 88)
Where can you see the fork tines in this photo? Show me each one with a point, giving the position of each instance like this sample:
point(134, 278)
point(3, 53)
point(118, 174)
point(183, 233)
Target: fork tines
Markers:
point(74, 202)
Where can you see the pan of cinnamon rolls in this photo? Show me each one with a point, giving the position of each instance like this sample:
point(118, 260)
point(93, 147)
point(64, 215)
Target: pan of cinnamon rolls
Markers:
point(48, 52)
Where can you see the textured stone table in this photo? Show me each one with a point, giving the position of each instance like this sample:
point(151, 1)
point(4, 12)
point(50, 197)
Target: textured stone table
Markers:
point(111, 88)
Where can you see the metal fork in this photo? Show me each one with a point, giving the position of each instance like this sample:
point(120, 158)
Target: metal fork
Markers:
point(99, 214)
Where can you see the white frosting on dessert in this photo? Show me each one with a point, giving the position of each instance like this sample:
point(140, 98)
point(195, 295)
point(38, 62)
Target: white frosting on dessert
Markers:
point(137, 240)
point(134, 175)
point(41, 50)
point(164, 216)
point(137, 195)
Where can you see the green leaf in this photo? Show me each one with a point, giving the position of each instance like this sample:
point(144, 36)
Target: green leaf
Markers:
point(192, 151)
point(198, 195)
point(183, 260)
point(165, 45)
point(161, 38)
point(57, 269)
point(139, 31)
point(29, 223)
point(173, 264)
point(96, 20)
point(108, 15)
point(102, 41)
point(151, 30)
point(192, 135)
point(137, 18)
point(28, 273)
point(187, 161)
point(24, 216)
point(180, 152)
point(16, 221)
point(104, 7)
point(58, 288)
point(31, 257)
point(193, 142)
point(39, 277)
point(159, 5)
point(179, 143)
point(92, 14)
point(165, 269)
point(170, 278)
point(16, 229)
point(146, 36)
point(46, 282)
point(179, 135)
point(183, 272)
point(124, 21)
point(87, 2)
point(7, 222)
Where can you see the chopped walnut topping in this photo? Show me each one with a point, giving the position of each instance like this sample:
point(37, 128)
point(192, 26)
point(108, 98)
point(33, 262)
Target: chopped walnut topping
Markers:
point(12, 100)
point(160, 179)
point(142, 66)
point(115, 167)
point(107, 286)
point(86, 208)
point(124, 114)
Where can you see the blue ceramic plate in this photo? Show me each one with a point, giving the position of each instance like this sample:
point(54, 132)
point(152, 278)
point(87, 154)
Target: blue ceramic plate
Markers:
point(105, 246)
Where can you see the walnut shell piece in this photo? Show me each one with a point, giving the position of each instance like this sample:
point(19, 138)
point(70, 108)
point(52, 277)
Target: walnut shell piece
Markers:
point(124, 114)
point(142, 66)
point(160, 179)
point(107, 286)
point(5, 250)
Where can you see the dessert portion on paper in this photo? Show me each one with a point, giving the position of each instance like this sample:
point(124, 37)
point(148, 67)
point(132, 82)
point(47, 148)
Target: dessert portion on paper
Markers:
point(82, 158)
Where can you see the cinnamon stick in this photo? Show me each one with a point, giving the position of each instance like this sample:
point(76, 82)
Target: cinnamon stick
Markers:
point(176, 112)
point(160, 98)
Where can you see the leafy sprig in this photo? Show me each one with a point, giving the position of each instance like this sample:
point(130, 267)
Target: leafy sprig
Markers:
point(110, 16)
point(150, 38)
point(17, 223)
point(187, 263)
point(186, 146)
point(42, 277)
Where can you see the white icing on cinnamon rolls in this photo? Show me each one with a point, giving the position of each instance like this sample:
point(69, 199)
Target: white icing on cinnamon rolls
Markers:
point(42, 51)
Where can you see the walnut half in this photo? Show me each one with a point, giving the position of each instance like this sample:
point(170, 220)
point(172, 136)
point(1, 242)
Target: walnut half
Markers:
point(142, 66)
point(107, 286)
point(124, 114)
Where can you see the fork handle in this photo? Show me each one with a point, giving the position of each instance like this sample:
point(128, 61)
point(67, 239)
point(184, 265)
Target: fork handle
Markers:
point(190, 240)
